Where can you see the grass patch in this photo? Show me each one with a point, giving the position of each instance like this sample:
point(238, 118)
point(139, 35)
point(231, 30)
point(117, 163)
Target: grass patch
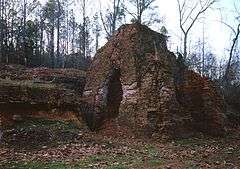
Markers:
point(52, 125)
point(34, 134)
point(192, 142)
point(155, 163)
point(151, 151)
point(117, 166)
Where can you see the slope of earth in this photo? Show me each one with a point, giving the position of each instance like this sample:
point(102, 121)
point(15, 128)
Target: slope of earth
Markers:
point(54, 144)
point(70, 78)
point(39, 92)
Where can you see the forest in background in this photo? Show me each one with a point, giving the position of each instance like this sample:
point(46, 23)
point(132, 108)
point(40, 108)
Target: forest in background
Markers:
point(37, 34)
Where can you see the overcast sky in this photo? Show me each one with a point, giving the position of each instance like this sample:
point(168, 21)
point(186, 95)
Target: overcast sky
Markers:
point(217, 35)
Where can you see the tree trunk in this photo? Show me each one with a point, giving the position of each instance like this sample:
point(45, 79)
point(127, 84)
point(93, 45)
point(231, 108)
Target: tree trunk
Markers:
point(203, 53)
point(185, 46)
point(67, 33)
point(41, 41)
point(73, 38)
point(52, 45)
point(138, 11)
point(24, 33)
point(226, 76)
point(97, 39)
point(58, 31)
point(114, 17)
point(84, 28)
point(1, 29)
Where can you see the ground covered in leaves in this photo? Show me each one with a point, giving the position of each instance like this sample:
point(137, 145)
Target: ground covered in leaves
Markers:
point(42, 144)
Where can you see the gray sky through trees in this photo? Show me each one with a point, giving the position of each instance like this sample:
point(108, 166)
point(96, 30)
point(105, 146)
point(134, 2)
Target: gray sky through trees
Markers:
point(217, 35)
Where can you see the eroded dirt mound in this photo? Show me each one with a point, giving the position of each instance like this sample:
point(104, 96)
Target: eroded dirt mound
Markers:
point(137, 81)
point(69, 78)
point(39, 92)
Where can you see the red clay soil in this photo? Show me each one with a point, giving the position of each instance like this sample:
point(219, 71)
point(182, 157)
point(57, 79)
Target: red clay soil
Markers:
point(39, 92)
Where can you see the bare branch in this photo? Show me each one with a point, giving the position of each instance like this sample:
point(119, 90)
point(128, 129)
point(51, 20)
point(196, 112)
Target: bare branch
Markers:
point(186, 15)
point(190, 13)
point(104, 24)
point(200, 12)
point(229, 26)
point(226, 77)
point(134, 15)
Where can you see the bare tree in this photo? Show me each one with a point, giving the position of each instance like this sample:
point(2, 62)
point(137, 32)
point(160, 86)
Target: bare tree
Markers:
point(235, 39)
point(96, 30)
point(189, 14)
point(113, 14)
point(58, 27)
point(28, 7)
point(203, 50)
point(65, 42)
point(2, 4)
point(50, 13)
point(141, 6)
point(235, 30)
point(84, 27)
point(24, 28)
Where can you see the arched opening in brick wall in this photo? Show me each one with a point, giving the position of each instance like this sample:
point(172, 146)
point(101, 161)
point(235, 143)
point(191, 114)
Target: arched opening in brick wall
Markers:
point(115, 93)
